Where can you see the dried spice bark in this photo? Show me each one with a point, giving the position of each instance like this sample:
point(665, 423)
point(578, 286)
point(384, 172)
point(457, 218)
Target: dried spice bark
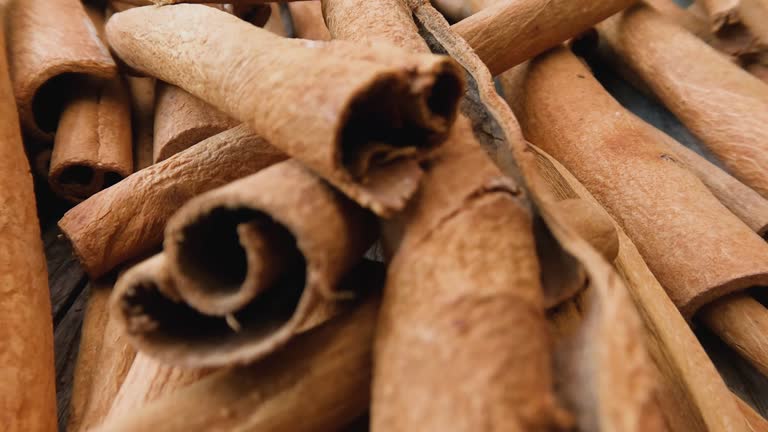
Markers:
point(367, 113)
point(127, 220)
point(722, 12)
point(307, 19)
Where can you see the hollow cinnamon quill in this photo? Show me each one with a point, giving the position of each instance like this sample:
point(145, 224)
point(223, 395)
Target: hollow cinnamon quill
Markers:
point(268, 394)
point(128, 220)
point(462, 192)
point(49, 40)
point(247, 265)
point(27, 382)
point(723, 105)
point(367, 113)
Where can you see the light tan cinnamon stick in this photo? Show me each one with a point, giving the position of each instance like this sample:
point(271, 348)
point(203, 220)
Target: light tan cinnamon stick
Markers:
point(148, 380)
point(756, 421)
point(308, 21)
point(128, 220)
point(103, 361)
point(692, 388)
point(510, 32)
point(27, 382)
point(268, 394)
point(722, 12)
point(49, 40)
point(754, 14)
point(367, 113)
point(255, 258)
point(726, 107)
point(182, 120)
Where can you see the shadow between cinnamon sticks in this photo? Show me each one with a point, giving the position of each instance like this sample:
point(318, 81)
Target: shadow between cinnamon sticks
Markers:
point(368, 113)
point(27, 381)
point(268, 394)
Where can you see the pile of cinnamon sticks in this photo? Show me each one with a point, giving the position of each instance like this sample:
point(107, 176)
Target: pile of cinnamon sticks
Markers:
point(386, 215)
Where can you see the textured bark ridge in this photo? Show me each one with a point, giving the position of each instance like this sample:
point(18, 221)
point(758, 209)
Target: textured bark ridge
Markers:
point(182, 120)
point(127, 221)
point(324, 375)
point(696, 248)
point(27, 382)
point(245, 268)
point(509, 32)
point(49, 40)
point(722, 104)
point(369, 113)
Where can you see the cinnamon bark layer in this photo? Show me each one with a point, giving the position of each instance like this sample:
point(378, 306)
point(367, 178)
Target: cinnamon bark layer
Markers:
point(367, 113)
point(510, 32)
point(723, 105)
point(268, 394)
point(754, 14)
point(696, 248)
point(307, 19)
point(27, 382)
point(49, 40)
point(142, 92)
point(247, 266)
point(722, 12)
point(127, 221)
point(182, 120)
point(93, 149)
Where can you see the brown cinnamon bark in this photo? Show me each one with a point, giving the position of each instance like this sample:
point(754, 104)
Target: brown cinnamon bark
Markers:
point(754, 14)
point(103, 361)
point(49, 40)
point(437, 259)
point(268, 394)
point(722, 12)
point(308, 21)
point(639, 186)
point(367, 115)
point(142, 91)
point(27, 382)
point(127, 221)
point(255, 257)
point(510, 32)
point(726, 107)
point(182, 120)
point(756, 421)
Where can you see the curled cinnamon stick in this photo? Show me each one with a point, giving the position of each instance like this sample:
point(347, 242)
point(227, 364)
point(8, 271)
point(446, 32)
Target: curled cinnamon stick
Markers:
point(721, 12)
point(268, 394)
point(49, 40)
point(307, 18)
point(754, 14)
point(128, 220)
point(182, 120)
point(723, 105)
point(27, 381)
point(254, 257)
point(658, 202)
point(510, 32)
point(142, 92)
point(367, 112)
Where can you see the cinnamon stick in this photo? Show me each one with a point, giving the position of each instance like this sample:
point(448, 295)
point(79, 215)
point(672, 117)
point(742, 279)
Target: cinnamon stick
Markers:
point(182, 120)
point(754, 13)
point(268, 394)
point(142, 91)
point(510, 32)
point(255, 258)
point(756, 421)
point(49, 40)
point(367, 114)
point(722, 12)
point(637, 187)
point(308, 21)
point(127, 221)
point(27, 382)
point(723, 105)
point(103, 361)
point(692, 389)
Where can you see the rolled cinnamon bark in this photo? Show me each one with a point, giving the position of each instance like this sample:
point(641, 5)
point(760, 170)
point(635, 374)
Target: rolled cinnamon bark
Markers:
point(754, 14)
point(27, 382)
point(148, 380)
point(103, 361)
point(510, 32)
point(307, 18)
point(436, 259)
point(254, 256)
point(142, 92)
point(659, 203)
point(723, 105)
point(268, 394)
point(367, 115)
point(127, 221)
point(182, 120)
point(93, 149)
point(722, 12)
point(49, 40)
